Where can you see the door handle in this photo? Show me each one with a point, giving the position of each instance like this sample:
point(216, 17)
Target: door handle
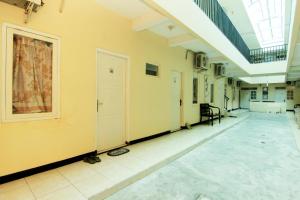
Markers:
point(99, 103)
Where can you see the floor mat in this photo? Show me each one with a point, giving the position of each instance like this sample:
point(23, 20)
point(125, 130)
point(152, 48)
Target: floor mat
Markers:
point(118, 152)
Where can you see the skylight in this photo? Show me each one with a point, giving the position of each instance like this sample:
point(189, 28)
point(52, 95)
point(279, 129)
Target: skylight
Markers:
point(267, 18)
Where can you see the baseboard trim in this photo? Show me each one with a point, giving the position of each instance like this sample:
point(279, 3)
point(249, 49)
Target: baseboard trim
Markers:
point(148, 138)
point(43, 168)
point(199, 123)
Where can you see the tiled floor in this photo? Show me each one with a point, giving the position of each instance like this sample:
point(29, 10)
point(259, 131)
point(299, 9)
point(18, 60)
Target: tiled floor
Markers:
point(257, 159)
point(81, 181)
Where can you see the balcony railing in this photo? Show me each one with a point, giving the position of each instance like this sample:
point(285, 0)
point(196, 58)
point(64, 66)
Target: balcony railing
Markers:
point(269, 54)
point(217, 15)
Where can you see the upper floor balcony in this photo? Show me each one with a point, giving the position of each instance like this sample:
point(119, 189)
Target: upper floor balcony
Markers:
point(217, 15)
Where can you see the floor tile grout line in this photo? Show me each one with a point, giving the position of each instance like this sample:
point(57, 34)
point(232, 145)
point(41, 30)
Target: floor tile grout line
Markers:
point(64, 187)
point(73, 185)
point(31, 190)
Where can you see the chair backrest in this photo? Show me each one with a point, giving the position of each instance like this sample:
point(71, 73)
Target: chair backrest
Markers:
point(204, 109)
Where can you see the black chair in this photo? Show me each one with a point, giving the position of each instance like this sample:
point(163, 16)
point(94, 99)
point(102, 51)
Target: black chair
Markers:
point(206, 110)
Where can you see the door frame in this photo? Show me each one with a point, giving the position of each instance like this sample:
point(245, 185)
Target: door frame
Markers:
point(126, 90)
point(181, 123)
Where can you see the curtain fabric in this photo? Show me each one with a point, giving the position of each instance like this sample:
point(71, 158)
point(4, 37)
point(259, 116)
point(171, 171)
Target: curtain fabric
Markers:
point(32, 75)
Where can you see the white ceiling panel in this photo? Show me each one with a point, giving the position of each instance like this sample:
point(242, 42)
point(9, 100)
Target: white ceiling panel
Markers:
point(238, 16)
point(168, 29)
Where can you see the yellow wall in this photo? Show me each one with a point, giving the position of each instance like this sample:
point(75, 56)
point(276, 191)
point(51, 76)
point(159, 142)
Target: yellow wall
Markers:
point(83, 27)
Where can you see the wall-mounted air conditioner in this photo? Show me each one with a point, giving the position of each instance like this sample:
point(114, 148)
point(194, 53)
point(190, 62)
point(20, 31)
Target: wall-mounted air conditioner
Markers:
point(28, 5)
point(219, 70)
point(200, 61)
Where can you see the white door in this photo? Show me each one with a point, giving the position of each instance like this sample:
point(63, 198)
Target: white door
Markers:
point(111, 101)
point(245, 99)
point(176, 100)
point(280, 96)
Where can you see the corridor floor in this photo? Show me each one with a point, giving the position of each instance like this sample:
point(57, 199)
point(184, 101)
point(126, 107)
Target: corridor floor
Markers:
point(255, 160)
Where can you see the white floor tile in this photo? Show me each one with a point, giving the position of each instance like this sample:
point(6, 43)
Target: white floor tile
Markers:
point(7, 187)
point(68, 193)
point(77, 171)
point(20, 193)
point(47, 182)
point(93, 185)
point(114, 172)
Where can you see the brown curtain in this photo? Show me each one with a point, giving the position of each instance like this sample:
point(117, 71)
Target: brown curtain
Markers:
point(32, 75)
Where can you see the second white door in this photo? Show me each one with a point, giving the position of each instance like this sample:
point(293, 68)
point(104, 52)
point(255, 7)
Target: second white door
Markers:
point(111, 101)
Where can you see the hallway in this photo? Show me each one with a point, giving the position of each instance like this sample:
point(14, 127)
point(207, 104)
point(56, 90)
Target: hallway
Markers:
point(256, 159)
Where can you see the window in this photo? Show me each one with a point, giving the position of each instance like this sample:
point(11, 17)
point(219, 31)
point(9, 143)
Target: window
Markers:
point(195, 90)
point(253, 95)
point(265, 93)
point(211, 93)
point(290, 95)
point(151, 69)
point(31, 75)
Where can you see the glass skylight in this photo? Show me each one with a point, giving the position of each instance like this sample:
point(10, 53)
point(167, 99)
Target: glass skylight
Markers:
point(267, 18)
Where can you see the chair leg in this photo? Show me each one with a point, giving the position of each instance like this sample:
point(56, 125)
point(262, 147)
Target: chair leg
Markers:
point(219, 119)
point(212, 120)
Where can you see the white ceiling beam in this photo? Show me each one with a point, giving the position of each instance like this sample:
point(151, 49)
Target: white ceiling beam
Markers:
point(147, 21)
point(219, 59)
point(181, 40)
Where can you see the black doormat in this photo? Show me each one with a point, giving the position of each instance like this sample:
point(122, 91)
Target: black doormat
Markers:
point(118, 152)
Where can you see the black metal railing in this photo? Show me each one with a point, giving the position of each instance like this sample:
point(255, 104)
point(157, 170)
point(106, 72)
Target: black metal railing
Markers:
point(268, 54)
point(218, 16)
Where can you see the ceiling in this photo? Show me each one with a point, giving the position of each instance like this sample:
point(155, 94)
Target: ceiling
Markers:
point(136, 10)
point(237, 13)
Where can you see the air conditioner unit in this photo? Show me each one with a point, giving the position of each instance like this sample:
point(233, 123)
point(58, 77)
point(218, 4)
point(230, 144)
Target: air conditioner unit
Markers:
point(238, 83)
point(219, 70)
point(200, 61)
point(28, 5)
point(230, 81)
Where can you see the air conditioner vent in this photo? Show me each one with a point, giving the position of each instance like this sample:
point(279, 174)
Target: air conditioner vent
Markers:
point(200, 61)
point(219, 70)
